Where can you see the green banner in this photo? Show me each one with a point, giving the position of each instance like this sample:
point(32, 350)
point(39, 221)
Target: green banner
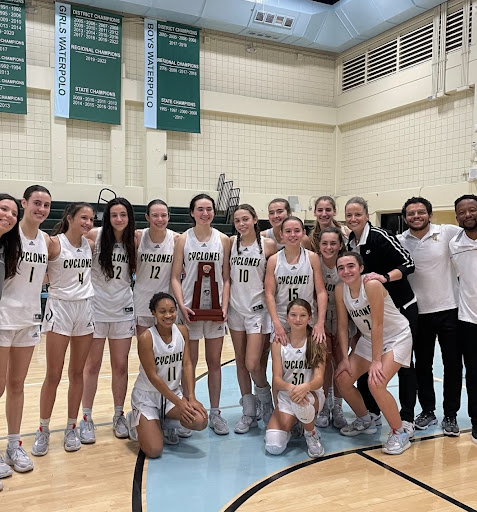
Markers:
point(12, 57)
point(87, 64)
point(172, 84)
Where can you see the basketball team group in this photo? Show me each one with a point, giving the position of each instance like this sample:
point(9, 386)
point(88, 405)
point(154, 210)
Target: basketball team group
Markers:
point(341, 310)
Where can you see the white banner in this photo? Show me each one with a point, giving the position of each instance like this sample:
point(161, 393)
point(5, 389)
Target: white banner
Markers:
point(62, 59)
point(150, 73)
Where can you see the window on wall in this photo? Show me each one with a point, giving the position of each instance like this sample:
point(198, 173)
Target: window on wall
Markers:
point(404, 51)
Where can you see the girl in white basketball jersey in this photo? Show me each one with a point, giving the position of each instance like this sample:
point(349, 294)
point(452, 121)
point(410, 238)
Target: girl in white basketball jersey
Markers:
point(293, 273)
point(157, 400)
point(330, 244)
point(202, 243)
point(298, 372)
point(68, 317)
point(10, 254)
point(154, 262)
point(278, 210)
point(20, 319)
point(384, 346)
point(114, 263)
point(248, 318)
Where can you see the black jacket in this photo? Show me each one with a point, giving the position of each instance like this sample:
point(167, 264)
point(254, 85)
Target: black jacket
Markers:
point(382, 253)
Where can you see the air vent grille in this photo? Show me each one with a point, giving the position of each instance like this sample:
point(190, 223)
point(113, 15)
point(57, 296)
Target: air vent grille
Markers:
point(415, 46)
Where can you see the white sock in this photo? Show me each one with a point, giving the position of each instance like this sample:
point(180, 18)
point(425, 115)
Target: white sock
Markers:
point(118, 410)
point(366, 417)
point(13, 440)
point(45, 423)
point(337, 402)
point(71, 423)
point(87, 414)
point(214, 410)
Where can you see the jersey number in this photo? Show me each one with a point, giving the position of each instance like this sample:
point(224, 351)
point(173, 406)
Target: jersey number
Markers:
point(118, 272)
point(171, 372)
point(155, 272)
point(243, 275)
point(292, 294)
point(81, 277)
point(367, 323)
point(298, 378)
point(31, 274)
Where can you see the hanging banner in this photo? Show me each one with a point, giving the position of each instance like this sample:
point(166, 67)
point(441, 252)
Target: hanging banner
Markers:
point(12, 57)
point(171, 70)
point(87, 64)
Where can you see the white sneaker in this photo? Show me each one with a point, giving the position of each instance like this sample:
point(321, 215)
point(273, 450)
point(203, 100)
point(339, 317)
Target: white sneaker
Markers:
point(409, 428)
point(244, 424)
point(359, 426)
point(72, 441)
point(42, 442)
point(170, 436)
point(218, 424)
point(323, 418)
point(5, 469)
point(87, 428)
point(377, 420)
point(1, 485)
point(339, 420)
point(315, 448)
point(397, 443)
point(131, 430)
point(120, 427)
point(184, 432)
point(18, 458)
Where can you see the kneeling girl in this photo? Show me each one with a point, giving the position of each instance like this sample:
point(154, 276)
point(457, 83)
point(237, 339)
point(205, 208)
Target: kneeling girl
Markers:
point(298, 373)
point(157, 395)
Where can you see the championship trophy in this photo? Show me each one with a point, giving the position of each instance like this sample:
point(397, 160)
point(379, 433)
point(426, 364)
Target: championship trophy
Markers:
point(205, 301)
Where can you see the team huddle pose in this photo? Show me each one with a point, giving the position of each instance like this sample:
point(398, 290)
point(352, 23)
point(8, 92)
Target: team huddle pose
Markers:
point(276, 288)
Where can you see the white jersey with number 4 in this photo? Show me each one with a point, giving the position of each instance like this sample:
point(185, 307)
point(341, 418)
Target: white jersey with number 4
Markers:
point(70, 271)
point(168, 359)
point(113, 298)
point(20, 306)
point(293, 282)
point(154, 265)
point(247, 274)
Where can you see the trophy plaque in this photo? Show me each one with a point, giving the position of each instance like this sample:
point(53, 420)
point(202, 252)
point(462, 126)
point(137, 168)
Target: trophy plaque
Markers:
point(205, 301)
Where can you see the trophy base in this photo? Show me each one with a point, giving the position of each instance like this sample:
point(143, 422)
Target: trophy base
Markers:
point(214, 315)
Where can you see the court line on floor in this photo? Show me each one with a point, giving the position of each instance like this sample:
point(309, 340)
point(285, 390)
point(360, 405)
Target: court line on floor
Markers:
point(240, 500)
point(136, 499)
point(420, 484)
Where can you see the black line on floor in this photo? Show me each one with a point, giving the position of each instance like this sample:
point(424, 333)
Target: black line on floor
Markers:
point(413, 480)
point(139, 469)
point(240, 500)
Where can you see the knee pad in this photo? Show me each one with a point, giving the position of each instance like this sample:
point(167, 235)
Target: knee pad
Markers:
point(276, 441)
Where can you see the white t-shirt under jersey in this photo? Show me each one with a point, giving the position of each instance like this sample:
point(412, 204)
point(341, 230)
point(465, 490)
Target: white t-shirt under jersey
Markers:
point(293, 282)
point(247, 274)
point(168, 358)
point(153, 274)
point(70, 271)
point(113, 298)
point(394, 323)
point(211, 252)
point(20, 306)
point(270, 234)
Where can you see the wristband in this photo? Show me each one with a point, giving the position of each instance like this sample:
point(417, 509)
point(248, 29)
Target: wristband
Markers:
point(387, 277)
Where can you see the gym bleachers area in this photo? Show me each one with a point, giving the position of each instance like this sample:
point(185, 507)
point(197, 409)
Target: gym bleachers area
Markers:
point(179, 222)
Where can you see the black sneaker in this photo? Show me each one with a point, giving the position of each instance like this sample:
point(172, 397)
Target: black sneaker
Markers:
point(474, 435)
point(424, 420)
point(449, 424)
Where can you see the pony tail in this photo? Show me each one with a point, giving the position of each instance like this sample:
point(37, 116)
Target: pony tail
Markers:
point(259, 238)
point(314, 236)
point(315, 352)
point(238, 242)
point(63, 225)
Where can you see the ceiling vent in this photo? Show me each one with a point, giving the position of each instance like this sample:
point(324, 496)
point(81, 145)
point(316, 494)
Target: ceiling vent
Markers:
point(275, 19)
point(261, 35)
